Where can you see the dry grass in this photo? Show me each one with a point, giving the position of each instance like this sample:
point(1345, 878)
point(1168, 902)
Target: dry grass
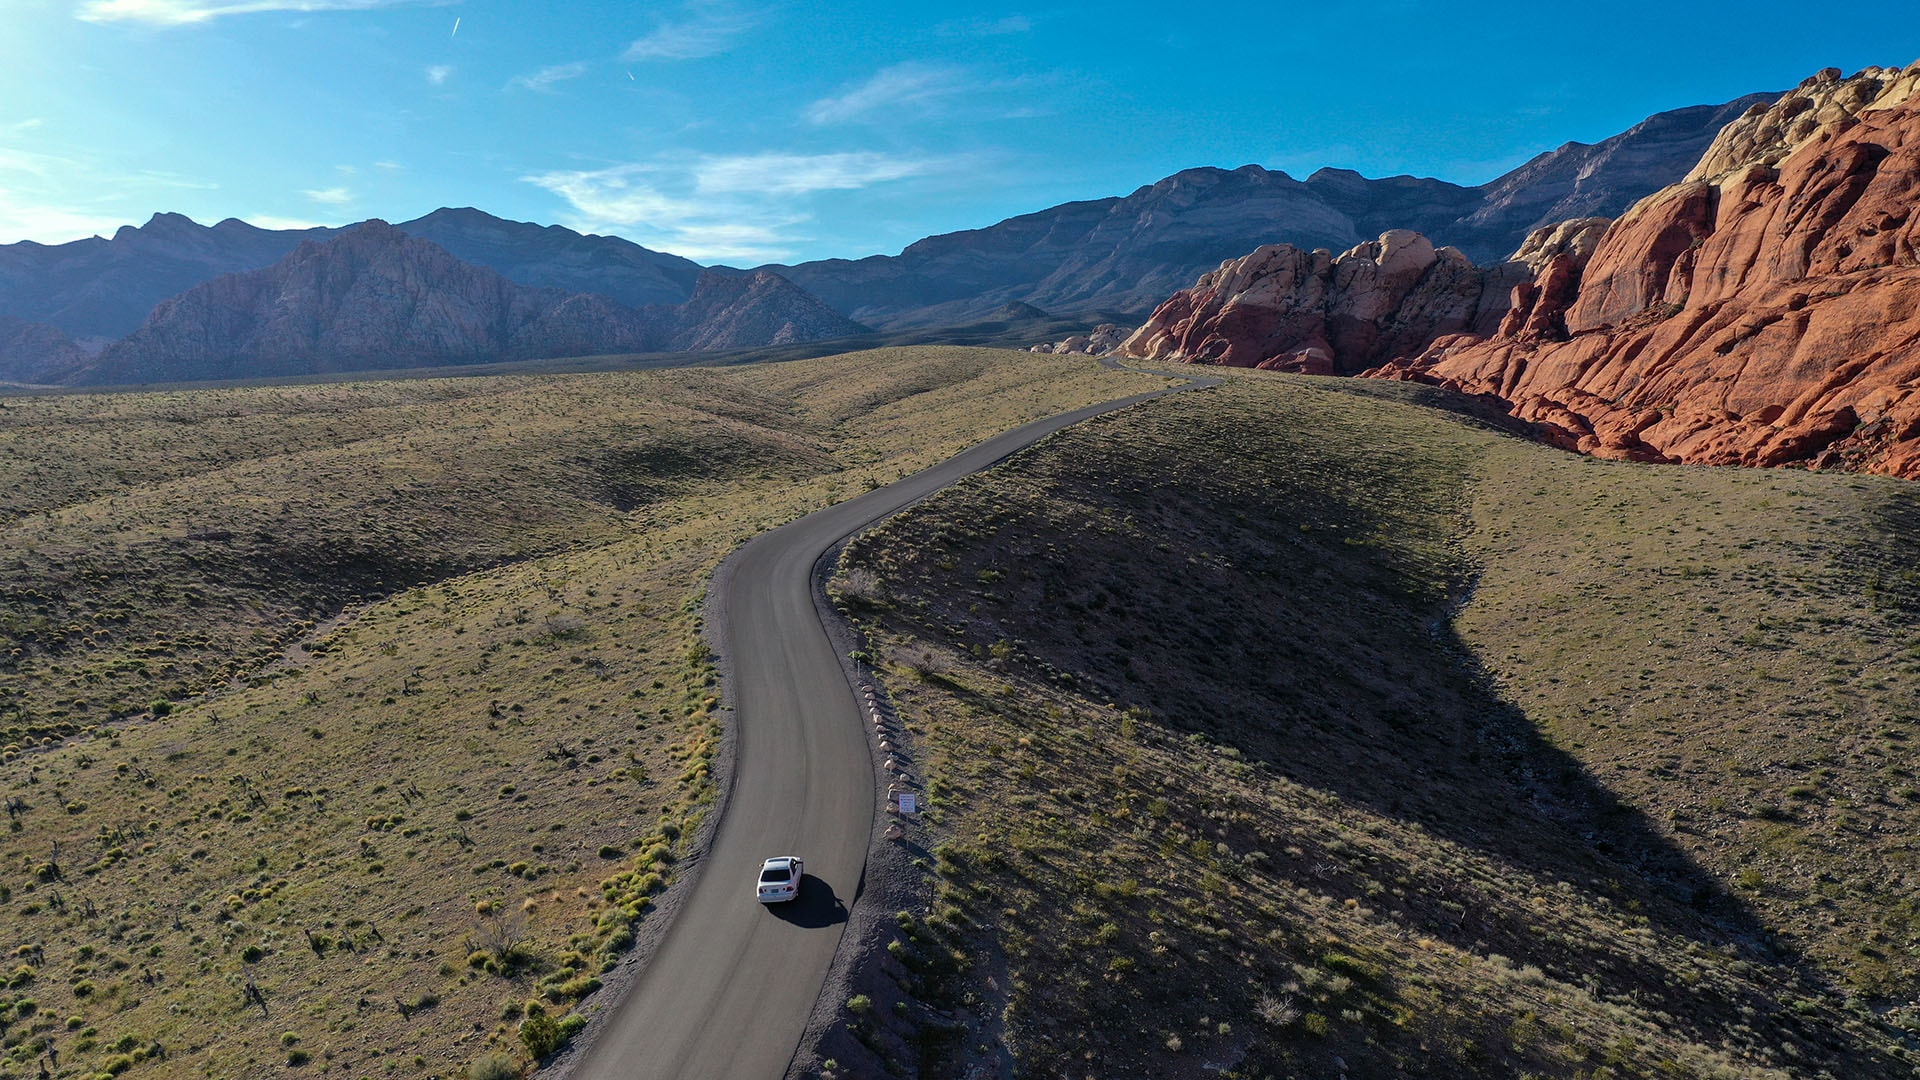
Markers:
point(388, 700)
point(1295, 721)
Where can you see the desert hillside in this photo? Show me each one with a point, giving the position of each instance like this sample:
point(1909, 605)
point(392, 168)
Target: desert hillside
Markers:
point(349, 726)
point(1403, 746)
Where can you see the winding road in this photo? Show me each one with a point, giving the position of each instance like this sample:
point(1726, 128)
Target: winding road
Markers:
point(728, 992)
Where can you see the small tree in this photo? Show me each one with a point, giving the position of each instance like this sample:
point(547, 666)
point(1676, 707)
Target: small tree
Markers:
point(502, 936)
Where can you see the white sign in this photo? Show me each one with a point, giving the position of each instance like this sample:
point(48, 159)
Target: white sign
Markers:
point(909, 803)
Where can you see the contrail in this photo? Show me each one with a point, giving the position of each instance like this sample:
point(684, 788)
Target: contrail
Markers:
point(456, 26)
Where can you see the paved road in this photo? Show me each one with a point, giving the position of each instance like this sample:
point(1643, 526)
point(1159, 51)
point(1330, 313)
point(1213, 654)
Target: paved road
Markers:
point(729, 990)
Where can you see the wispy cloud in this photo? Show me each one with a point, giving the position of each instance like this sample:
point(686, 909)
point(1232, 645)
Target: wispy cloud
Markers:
point(910, 84)
point(276, 221)
point(542, 81)
point(736, 209)
point(801, 174)
point(706, 30)
point(438, 74)
point(160, 178)
point(336, 196)
point(185, 12)
point(30, 209)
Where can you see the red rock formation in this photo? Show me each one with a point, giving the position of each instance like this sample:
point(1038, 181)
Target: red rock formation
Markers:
point(1764, 312)
point(1284, 309)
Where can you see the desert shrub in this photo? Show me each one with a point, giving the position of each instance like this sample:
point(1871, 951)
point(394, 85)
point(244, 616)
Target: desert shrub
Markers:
point(539, 1034)
point(494, 1066)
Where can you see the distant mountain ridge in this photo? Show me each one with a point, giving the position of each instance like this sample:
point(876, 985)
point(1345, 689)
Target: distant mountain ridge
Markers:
point(374, 297)
point(1129, 253)
point(99, 289)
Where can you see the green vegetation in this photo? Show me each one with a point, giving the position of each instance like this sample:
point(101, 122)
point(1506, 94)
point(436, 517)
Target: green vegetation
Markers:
point(1300, 720)
point(353, 728)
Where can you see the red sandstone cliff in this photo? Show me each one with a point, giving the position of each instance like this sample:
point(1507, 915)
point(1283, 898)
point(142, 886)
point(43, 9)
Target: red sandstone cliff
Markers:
point(1766, 311)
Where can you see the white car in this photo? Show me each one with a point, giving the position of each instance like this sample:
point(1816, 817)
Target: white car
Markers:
point(780, 879)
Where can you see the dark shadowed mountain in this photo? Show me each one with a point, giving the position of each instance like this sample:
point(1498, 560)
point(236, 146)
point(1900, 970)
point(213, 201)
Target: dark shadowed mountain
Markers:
point(370, 298)
point(1602, 180)
point(1127, 254)
point(376, 298)
point(36, 353)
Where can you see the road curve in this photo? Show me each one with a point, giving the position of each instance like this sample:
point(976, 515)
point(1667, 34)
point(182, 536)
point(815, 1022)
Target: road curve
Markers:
point(728, 991)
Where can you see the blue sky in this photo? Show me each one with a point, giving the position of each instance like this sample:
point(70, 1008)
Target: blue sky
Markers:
point(743, 133)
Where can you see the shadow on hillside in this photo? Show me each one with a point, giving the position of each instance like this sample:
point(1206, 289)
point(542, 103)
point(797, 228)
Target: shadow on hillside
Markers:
point(1475, 771)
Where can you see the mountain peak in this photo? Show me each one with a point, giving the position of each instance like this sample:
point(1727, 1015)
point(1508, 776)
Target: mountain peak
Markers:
point(165, 225)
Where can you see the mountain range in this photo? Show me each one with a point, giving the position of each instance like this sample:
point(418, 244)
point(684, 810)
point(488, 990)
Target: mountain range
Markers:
point(1127, 254)
point(108, 310)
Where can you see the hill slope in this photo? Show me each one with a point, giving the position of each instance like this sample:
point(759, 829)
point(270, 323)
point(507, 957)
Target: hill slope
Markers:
point(1376, 753)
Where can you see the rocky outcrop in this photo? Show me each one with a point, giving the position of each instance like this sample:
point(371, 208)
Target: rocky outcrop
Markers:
point(1285, 309)
point(1764, 312)
point(1098, 341)
point(739, 311)
point(1771, 130)
point(35, 353)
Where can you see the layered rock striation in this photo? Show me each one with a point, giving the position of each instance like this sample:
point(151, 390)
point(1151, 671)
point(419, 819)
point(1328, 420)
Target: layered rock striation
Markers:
point(740, 311)
point(1766, 311)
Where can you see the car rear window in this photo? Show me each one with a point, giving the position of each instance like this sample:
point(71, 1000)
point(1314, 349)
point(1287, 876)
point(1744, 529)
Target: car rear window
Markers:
point(776, 873)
